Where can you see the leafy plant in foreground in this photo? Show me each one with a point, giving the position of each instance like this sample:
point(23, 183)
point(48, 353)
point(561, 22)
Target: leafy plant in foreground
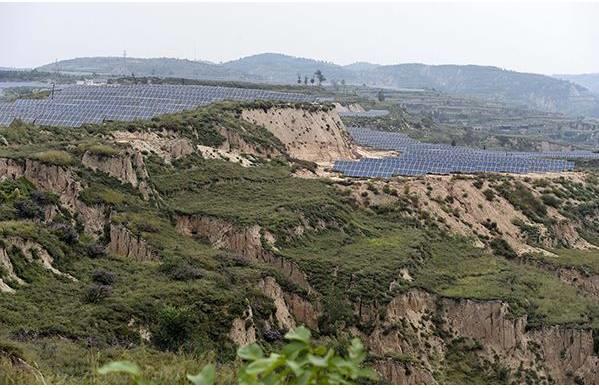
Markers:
point(299, 362)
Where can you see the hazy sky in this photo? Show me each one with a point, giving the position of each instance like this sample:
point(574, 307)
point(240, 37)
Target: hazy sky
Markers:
point(554, 37)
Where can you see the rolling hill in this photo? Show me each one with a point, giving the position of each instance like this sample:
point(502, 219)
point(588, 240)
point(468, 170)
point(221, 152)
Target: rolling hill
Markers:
point(589, 81)
point(492, 83)
point(160, 67)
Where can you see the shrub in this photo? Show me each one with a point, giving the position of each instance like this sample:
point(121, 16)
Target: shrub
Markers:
point(489, 194)
point(66, 232)
point(96, 250)
point(551, 200)
point(102, 276)
point(59, 158)
point(502, 248)
point(184, 272)
point(301, 362)
point(97, 292)
point(173, 328)
point(28, 209)
point(43, 198)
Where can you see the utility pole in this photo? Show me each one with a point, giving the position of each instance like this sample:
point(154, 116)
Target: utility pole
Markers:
point(125, 62)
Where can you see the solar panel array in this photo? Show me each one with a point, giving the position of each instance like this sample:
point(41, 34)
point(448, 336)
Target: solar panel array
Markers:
point(368, 113)
point(77, 105)
point(417, 158)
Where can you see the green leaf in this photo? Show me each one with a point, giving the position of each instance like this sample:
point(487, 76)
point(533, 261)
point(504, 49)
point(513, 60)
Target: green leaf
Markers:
point(356, 351)
point(205, 377)
point(250, 352)
point(120, 367)
point(295, 367)
point(299, 334)
point(320, 362)
point(263, 365)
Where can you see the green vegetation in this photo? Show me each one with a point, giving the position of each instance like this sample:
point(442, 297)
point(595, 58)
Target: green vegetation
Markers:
point(300, 362)
point(59, 158)
point(174, 313)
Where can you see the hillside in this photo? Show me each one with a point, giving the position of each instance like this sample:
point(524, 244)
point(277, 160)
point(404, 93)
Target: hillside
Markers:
point(281, 68)
point(529, 90)
point(173, 241)
point(589, 81)
point(160, 67)
point(533, 91)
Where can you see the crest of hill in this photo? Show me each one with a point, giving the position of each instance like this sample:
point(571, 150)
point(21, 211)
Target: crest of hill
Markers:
point(285, 68)
point(589, 81)
point(531, 90)
point(161, 67)
point(534, 91)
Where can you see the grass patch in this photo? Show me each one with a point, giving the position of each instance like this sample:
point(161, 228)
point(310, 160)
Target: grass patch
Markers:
point(56, 157)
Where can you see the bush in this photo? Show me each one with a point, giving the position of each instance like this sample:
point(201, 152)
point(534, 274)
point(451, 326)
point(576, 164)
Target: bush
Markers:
point(173, 329)
point(489, 194)
point(551, 200)
point(502, 248)
point(97, 292)
point(96, 250)
point(28, 209)
point(102, 276)
point(301, 362)
point(66, 232)
point(185, 272)
point(43, 198)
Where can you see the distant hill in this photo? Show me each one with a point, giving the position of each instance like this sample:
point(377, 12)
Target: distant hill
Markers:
point(528, 90)
point(589, 81)
point(159, 67)
point(531, 90)
point(281, 68)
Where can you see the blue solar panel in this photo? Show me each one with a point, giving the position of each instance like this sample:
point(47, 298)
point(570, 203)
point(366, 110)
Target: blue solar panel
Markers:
point(75, 105)
point(417, 158)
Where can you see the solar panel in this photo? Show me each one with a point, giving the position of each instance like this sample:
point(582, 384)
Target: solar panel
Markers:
point(80, 104)
point(419, 158)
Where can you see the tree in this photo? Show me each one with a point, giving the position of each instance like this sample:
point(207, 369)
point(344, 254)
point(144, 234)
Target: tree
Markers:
point(320, 77)
point(312, 80)
point(453, 143)
point(306, 80)
point(299, 79)
point(381, 96)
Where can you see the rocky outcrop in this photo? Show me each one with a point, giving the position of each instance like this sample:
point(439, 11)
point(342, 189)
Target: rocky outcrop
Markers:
point(243, 241)
point(393, 371)
point(58, 180)
point(167, 145)
point(243, 330)
point(290, 308)
point(33, 253)
point(317, 136)
point(9, 271)
point(124, 243)
point(127, 167)
point(234, 143)
point(414, 323)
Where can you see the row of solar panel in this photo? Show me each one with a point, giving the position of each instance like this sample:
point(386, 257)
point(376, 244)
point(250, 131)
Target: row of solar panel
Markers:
point(368, 113)
point(77, 105)
point(401, 142)
point(418, 158)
